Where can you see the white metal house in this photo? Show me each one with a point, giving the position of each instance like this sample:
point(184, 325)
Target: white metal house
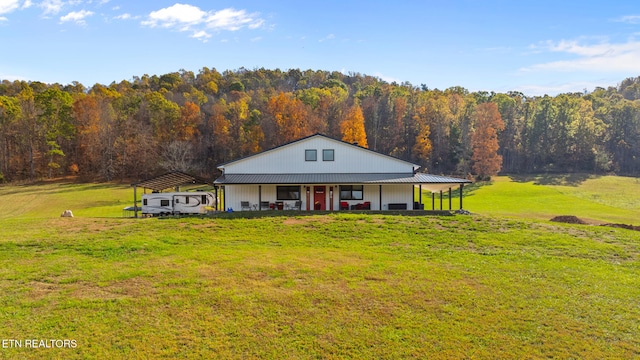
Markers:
point(322, 173)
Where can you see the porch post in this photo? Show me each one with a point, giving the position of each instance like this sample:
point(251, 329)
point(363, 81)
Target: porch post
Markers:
point(135, 201)
point(259, 197)
point(308, 198)
point(440, 199)
point(420, 197)
point(433, 200)
point(449, 199)
point(215, 199)
point(380, 196)
point(224, 198)
point(330, 198)
point(461, 185)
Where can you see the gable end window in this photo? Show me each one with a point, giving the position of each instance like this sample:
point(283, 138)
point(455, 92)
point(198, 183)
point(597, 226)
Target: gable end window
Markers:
point(327, 155)
point(311, 155)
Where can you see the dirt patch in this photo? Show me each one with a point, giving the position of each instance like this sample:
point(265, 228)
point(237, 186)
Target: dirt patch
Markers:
point(569, 219)
point(623, 226)
point(294, 221)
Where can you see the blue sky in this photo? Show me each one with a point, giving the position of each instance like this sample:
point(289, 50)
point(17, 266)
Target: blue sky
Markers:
point(537, 47)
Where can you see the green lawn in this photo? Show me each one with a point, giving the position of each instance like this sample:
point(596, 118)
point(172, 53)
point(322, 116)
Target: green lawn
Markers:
point(324, 286)
point(601, 199)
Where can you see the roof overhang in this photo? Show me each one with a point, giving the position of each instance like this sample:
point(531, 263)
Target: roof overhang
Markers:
point(429, 182)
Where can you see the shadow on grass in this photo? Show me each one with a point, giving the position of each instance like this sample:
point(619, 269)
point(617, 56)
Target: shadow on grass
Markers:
point(294, 213)
point(574, 179)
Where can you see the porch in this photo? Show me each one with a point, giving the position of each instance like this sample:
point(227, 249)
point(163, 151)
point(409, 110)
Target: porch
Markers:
point(348, 192)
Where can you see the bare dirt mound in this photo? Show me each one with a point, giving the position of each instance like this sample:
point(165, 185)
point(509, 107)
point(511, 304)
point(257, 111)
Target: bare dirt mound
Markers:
point(623, 226)
point(569, 219)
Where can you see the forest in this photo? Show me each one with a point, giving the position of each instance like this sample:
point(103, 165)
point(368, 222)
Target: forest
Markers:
point(191, 122)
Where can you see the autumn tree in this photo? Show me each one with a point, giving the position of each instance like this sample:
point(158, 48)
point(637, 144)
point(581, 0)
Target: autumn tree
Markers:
point(486, 161)
point(290, 116)
point(352, 127)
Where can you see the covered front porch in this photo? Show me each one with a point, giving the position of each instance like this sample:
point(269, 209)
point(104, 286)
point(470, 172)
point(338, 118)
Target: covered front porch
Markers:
point(335, 192)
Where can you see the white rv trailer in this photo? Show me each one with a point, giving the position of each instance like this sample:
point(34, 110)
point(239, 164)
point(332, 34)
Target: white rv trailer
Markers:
point(176, 203)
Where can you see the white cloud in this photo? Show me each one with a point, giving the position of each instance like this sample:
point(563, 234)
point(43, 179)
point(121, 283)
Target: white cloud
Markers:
point(51, 6)
point(599, 57)
point(76, 16)
point(7, 6)
point(176, 15)
point(27, 4)
point(201, 35)
point(232, 20)
point(631, 19)
point(2, 18)
point(569, 87)
point(185, 17)
point(124, 16)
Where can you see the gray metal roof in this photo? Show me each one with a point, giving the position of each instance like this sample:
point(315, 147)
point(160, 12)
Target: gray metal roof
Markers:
point(169, 180)
point(337, 178)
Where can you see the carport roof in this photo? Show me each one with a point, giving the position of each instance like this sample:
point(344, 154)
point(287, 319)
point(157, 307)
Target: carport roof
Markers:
point(169, 180)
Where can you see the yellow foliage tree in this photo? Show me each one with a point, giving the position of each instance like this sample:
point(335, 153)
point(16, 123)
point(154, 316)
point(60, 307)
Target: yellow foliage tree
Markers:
point(352, 127)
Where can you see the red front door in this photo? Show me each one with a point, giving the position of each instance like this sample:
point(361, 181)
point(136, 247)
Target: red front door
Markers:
point(319, 200)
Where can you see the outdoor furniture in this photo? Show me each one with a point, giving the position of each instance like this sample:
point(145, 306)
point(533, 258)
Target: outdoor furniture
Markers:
point(298, 205)
point(344, 205)
point(279, 205)
point(264, 205)
point(397, 206)
point(366, 205)
point(244, 205)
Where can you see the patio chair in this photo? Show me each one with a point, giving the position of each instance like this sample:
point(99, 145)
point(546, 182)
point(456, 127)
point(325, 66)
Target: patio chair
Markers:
point(298, 205)
point(264, 205)
point(344, 205)
point(244, 205)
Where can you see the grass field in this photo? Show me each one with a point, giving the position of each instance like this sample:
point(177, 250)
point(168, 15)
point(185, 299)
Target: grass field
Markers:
point(499, 284)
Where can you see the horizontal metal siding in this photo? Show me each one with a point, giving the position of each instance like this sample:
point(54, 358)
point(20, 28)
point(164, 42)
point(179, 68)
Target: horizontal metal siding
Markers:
point(291, 159)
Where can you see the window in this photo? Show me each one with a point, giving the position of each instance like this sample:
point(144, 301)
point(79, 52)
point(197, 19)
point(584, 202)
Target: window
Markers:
point(164, 202)
point(288, 192)
point(327, 155)
point(204, 200)
point(311, 155)
point(351, 192)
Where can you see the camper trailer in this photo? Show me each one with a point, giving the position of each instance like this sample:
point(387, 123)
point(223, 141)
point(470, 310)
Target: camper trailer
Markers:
point(176, 203)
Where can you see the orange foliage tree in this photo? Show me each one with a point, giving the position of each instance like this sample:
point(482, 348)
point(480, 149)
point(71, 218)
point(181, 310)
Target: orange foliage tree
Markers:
point(291, 117)
point(352, 127)
point(486, 161)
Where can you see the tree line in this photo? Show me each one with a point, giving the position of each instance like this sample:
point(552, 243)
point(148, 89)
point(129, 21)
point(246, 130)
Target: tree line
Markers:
point(193, 122)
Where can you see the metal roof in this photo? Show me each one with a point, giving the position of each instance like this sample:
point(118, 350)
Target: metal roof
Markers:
point(169, 180)
point(338, 178)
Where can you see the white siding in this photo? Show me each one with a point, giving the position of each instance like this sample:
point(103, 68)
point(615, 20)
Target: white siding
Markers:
point(290, 159)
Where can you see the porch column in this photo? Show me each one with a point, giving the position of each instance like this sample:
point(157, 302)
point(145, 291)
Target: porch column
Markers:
point(440, 199)
point(433, 200)
point(224, 198)
point(215, 199)
point(330, 198)
point(308, 197)
point(449, 199)
point(420, 207)
point(259, 197)
point(135, 199)
point(461, 185)
point(380, 196)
